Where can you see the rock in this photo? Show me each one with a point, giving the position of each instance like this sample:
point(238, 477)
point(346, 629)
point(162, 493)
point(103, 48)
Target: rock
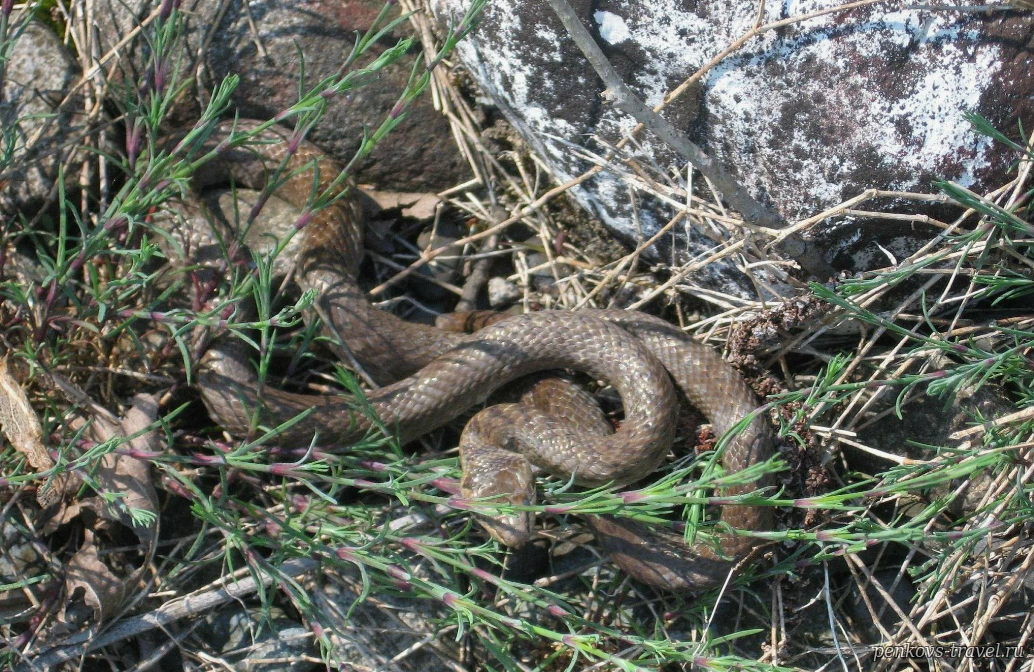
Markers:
point(445, 268)
point(260, 41)
point(412, 205)
point(502, 292)
point(36, 79)
point(20, 563)
point(247, 639)
point(541, 272)
point(900, 589)
point(388, 633)
point(807, 115)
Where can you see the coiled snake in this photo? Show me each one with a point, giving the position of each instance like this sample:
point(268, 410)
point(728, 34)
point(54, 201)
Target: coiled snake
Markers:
point(432, 376)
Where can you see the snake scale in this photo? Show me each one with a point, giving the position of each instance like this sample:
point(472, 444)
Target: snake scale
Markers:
point(430, 377)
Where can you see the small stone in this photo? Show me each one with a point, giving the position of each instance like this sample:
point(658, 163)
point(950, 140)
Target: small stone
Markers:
point(502, 292)
point(37, 76)
point(245, 639)
point(444, 268)
point(541, 271)
point(19, 562)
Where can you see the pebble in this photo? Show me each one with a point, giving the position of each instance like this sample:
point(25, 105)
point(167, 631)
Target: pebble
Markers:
point(243, 638)
point(541, 276)
point(502, 292)
point(37, 75)
point(19, 562)
point(445, 270)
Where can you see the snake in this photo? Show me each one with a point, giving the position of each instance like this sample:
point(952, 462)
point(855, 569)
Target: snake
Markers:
point(428, 377)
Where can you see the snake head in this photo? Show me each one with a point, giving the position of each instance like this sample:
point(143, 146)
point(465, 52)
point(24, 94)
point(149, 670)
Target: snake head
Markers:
point(503, 478)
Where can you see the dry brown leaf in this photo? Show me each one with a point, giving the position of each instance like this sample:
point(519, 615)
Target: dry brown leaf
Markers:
point(412, 204)
point(93, 592)
point(126, 474)
point(66, 513)
point(21, 426)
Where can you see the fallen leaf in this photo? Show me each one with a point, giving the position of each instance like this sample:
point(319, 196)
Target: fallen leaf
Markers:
point(21, 426)
point(66, 513)
point(123, 473)
point(93, 592)
point(412, 204)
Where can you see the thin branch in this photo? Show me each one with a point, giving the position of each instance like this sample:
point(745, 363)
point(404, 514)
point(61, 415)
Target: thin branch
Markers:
point(482, 269)
point(174, 610)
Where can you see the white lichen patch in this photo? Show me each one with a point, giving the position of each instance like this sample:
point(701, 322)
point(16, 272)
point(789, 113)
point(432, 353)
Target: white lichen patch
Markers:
point(514, 81)
point(612, 27)
point(914, 130)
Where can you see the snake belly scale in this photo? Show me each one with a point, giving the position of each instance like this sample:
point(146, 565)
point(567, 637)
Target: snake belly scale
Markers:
point(431, 376)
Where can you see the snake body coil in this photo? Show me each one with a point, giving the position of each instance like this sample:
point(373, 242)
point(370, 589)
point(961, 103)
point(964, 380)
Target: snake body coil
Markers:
point(432, 377)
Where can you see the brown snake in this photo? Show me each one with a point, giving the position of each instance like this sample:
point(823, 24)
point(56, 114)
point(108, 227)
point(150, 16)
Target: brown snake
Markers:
point(432, 377)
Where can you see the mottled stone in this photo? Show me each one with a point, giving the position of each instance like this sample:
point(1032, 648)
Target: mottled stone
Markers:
point(807, 115)
point(37, 78)
point(262, 41)
point(445, 268)
point(260, 642)
point(502, 292)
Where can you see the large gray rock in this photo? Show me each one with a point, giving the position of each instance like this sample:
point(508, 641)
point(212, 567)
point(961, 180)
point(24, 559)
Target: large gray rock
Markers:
point(261, 41)
point(807, 115)
point(37, 79)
